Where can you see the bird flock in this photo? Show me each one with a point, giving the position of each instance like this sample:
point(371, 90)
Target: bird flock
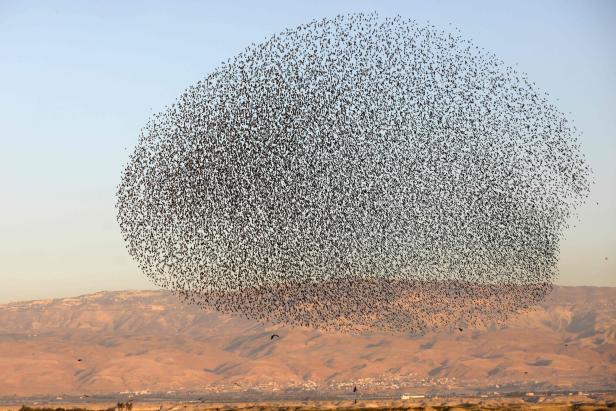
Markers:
point(356, 174)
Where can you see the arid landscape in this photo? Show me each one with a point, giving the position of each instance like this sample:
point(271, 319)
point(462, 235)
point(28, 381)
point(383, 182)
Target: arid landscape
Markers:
point(146, 344)
point(319, 205)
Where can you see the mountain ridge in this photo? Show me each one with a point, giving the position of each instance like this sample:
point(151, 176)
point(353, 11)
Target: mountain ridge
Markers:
point(148, 341)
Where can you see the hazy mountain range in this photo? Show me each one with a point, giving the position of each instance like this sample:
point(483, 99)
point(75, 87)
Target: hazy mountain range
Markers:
point(111, 342)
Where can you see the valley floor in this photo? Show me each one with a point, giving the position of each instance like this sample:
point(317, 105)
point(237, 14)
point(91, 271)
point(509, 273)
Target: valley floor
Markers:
point(594, 401)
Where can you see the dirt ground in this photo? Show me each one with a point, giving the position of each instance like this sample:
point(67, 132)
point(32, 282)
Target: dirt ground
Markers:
point(556, 403)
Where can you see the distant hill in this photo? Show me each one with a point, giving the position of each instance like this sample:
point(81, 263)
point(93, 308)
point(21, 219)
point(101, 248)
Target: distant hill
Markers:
point(148, 341)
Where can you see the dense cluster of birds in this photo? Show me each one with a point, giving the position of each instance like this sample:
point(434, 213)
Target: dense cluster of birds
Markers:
point(356, 173)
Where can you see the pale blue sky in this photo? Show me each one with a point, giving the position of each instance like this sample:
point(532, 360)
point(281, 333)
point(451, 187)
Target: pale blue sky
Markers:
point(79, 78)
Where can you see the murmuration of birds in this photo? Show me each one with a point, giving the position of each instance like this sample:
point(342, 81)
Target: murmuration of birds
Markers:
point(356, 174)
